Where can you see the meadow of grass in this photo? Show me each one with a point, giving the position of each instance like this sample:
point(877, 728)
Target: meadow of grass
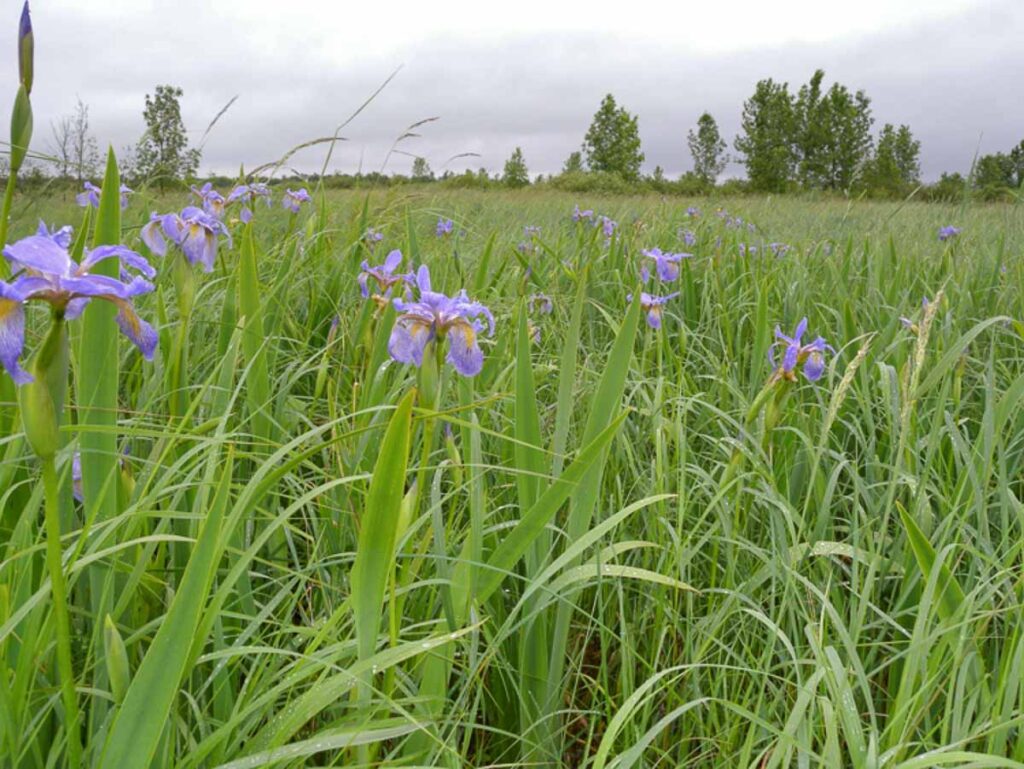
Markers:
point(614, 547)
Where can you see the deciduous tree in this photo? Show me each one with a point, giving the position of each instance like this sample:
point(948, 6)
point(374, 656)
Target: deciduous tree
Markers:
point(163, 154)
point(708, 149)
point(516, 173)
point(612, 143)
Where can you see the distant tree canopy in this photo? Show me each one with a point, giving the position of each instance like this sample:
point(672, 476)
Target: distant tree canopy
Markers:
point(895, 166)
point(612, 143)
point(821, 139)
point(573, 164)
point(421, 170)
point(163, 154)
point(995, 171)
point(516, 174)
point(769, 126)
point(708, 149)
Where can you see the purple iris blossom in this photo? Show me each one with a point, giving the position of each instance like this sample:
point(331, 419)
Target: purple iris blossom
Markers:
point(534, 332)
point(693, 212)
point(541, 304)
point(579, 216)
point(811, 355)
point(373, 236)
point(436, 316)
point(665, 265)
point(212, 201)
point(246, 195)
point(444, 227)
point(948, 233)
point(779, 249)
point(652, 305)
point(531, 231)
point(194, 231)
point(44, 271)
point(90, 196)
point(608, 226)
point(526, 247)
point(384, 276)
point(746, 250)
point(687, 236)
point(293, 199)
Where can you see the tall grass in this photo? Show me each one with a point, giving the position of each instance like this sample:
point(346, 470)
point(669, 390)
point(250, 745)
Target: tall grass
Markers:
point(602, 551)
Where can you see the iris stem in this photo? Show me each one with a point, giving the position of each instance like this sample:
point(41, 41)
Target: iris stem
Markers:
point(51, 488)
point(5, 216)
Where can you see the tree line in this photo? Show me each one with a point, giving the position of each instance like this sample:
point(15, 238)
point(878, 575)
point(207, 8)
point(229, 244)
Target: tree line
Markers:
point(811, 138)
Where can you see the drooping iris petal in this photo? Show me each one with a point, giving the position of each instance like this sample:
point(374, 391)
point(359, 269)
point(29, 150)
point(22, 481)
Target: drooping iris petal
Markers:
point(76, 307)
point(654, 317)
point(12, 332)
point(409, 337)
point(143, 335)
point(152, 235)
point(814, 365)
point(463, 351)
point(361, 280)
point(667, 270)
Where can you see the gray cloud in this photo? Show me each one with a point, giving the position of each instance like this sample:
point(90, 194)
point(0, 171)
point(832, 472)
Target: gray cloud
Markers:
point(954, 80)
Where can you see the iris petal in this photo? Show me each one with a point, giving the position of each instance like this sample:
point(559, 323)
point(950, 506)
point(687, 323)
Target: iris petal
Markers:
point(393, 260)
point(814, 367)
point(41, 254)
point(152, 235)
point(409, 337)
point(126, 255)
point(463, 351)
point(142, 334)
point(789, 359)
point(12, 334)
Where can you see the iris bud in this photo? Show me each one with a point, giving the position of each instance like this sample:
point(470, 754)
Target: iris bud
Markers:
point(26, 45)
point(42, 399)
point(117, 660)
point(21, 128)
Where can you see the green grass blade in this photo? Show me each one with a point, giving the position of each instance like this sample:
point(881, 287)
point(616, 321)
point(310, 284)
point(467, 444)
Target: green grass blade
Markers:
point(142, 717)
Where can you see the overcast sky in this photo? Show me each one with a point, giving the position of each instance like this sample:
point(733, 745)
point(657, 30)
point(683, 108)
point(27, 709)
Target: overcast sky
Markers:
point(529, 73)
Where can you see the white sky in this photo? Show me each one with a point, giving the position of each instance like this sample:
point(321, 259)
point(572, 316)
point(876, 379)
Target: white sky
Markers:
point(345, 31)
point(527, 73)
